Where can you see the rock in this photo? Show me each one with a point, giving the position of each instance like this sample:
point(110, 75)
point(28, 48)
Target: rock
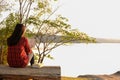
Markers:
point(91, 77)
point(117, 73)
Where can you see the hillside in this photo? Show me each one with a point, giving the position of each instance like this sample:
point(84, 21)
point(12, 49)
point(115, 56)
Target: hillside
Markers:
point(115, 76)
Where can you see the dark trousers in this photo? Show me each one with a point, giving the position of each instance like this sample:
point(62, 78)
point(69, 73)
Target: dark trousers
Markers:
point(32, 61)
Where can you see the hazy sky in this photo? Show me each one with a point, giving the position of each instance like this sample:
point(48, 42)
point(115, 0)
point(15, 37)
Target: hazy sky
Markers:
point(97, 18)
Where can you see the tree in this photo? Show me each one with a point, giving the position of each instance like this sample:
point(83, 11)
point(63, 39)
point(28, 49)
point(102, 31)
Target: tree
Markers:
point(24, 9)
point(48, 33)
point(6, 30)
point(54, 33)
point(51, 33)
point(3, 7)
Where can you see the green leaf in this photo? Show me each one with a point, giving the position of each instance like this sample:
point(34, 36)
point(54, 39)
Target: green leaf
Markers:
point(49, 56)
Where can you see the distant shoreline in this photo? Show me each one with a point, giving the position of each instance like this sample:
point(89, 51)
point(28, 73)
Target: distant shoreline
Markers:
point(107, 40)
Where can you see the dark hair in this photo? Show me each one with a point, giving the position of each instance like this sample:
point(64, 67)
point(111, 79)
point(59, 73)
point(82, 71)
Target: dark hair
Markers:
point(16, 35)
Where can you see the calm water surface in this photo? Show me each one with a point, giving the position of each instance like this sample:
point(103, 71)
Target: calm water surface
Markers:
point(80, 59)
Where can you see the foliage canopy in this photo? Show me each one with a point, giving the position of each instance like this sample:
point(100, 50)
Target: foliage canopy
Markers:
point(48, 33)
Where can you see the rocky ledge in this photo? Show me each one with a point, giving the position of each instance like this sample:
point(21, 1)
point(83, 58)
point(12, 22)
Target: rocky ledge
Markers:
point(115, 76)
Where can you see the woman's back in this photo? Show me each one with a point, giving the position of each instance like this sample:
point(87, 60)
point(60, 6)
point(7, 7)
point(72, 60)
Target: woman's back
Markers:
point(17, 54)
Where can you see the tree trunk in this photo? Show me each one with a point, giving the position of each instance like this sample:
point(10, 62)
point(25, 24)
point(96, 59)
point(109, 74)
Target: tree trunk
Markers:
point(39, 58)
point(1, 57)
point(42, 59)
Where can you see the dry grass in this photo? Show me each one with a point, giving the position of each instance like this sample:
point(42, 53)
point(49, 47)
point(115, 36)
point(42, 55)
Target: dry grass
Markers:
point(73, 78)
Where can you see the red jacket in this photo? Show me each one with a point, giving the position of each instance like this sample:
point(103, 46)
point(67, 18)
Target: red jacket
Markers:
point(18, 54)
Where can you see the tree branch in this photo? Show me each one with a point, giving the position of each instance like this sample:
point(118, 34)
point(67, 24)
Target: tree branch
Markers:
point(20, 9)
point(47, 18)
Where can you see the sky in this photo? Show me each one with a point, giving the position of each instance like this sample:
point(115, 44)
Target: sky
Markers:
point(97, 18)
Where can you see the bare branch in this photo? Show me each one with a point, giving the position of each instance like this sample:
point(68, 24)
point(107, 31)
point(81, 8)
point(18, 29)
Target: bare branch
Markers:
point(26, 8)
point(28, 11)
point(50, 49)
point(47, 18)
point(24, 4)
point(20, 9)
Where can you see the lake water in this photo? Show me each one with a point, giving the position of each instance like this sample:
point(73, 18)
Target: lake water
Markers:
point(81, 59)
